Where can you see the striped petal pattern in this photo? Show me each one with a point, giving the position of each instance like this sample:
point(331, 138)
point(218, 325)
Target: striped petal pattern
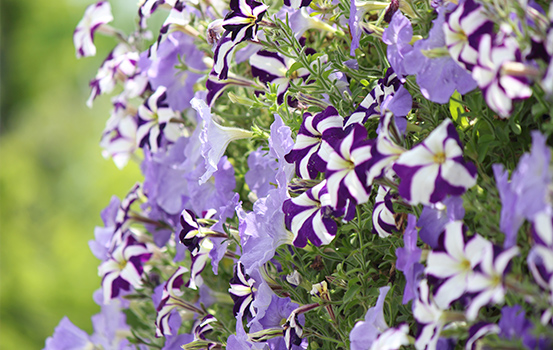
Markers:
point(309, 217)
point(314, 142)
point(346, 171)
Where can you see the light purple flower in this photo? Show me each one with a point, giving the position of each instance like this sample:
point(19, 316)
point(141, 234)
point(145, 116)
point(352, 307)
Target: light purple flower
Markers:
point(102, 235)
point(346, 171)
point(454, 263)
point(94, 17)
point(214, 138)
point(526, 194)
point(398, 37)
point(437, 77)
point(358, 9)
point(373, 333)
point(314, 142)
point(434, 218)
point(167, 64)
point(408, 260)
point(261, 172)
point(68, 336)
point(435, 168)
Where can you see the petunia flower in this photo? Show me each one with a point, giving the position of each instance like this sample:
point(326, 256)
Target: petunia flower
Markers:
point(242, 291)
point(389, 89)
point(434, 218)
point(214, 138)
point(119, 136)
point(314, 142)
point(174, 63)
point(408, 260)
point(526, 195)
point(499, 85)
point(463, 28)
point(171, 300)
point(309, 217)
point(272, 67)
point(155, 124)
point(123, 267)
point(430, 316)
point(384, 222)
point(435, 168)
point(437, 77)
point(398, 36)
point(487, 283)
point(243, 19)
point(346, 171)
point(94, 18)
point(454, 263)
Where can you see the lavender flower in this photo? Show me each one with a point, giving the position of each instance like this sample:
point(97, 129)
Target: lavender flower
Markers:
point(68, 336)
point(435, 168)
point(314, 142)
point(168, 64)
point(214, 137)
point(398, 37)
point(437, 77)
point(94, 18)
point(526, 194)
point(261, 173)
point(408, 259)
point(434, 218)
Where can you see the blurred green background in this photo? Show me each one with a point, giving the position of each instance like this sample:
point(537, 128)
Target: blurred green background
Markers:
point(53, 179)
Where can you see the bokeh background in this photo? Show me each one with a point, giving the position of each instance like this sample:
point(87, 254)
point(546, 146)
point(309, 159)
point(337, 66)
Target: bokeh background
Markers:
point(53, 179)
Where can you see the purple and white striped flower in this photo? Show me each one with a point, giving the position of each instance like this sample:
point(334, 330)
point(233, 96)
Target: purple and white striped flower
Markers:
point(123, 267)
point(296, 4)
point(94, 19)
point(171, 300)
point(487, 283)
point(272, 67)
point(385, 150)
point(193, 231)
point(500, 86)
point(243, 19)
point(154, 121)
point(314, 142)
point(384, 222)
point(119, 135)
point(387, 88)
point(122, 217)
point(462, 29)
point(309, 217)
point(430, 316)
point(435, 168)
point(242, 291)
point(454, 263)
point(198, 261)
point(346, 171)
point(119, 65)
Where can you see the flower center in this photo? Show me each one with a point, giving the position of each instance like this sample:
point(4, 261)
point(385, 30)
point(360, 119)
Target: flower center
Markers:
point(439, 157)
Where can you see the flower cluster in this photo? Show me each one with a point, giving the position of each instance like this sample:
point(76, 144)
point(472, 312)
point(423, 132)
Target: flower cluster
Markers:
point(326, 174)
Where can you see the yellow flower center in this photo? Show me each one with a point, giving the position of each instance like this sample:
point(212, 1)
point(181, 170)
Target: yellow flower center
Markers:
point(439, 157)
